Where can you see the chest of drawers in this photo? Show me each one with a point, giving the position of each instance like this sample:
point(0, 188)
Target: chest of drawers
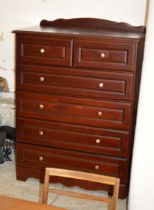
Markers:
point(77, 86)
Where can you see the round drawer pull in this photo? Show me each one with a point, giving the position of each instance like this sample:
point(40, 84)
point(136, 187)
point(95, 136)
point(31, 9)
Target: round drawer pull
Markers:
point(41, 79)
point(96, 167)
point(98, 141)
point(42, 50)
point(41, 133)
point(41, 106)
point(41, 158)
point(101, 84)
point(102, 55)
point(99, 114)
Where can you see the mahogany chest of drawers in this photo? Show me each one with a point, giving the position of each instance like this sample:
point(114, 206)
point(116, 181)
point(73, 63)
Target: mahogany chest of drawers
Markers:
point(77, 86)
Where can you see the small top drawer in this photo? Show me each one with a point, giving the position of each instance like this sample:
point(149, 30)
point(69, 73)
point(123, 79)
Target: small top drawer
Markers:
point(44, 50)
point(104, 54)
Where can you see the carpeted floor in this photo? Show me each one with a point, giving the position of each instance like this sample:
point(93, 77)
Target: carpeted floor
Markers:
point(32, 190)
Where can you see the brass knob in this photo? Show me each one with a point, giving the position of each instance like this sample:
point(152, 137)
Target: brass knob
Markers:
point(102, 55)
point(42, 50)
point(41, 133)
point(96, 167)
point(101, 84)
point(41, 106)
point(41, 158)
point(41, 79)
point(99, 114)
point(98, 141)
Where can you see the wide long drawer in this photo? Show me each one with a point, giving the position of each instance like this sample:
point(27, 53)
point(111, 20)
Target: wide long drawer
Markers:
point(44, 50)
point(40, 157)
point(79, 138)
point(75, 82)
point(104, 54)
point(75, 110)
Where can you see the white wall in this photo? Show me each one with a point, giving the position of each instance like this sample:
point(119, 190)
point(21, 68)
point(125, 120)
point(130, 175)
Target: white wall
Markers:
point(15, 14)
point(142, 177)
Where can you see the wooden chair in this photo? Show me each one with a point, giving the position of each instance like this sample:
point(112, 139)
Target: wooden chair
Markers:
point(112, 200)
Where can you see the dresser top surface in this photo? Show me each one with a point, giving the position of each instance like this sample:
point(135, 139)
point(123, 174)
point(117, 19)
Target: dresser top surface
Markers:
point(86, 27)
point(61, 31)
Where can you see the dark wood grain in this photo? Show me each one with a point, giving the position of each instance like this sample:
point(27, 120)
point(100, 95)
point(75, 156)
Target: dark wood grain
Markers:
point(74, 110)
point(40, 158)
point(69, 136)
point(51, 51)
point(93, 23)
point(58, 81)
point(77, 88)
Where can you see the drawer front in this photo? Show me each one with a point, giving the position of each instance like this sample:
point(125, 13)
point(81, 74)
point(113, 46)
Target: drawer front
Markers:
point(44, 50)
point(104, 54)
point(74, 110)
point(75, 82)
point(68, 136)
point(39, 157)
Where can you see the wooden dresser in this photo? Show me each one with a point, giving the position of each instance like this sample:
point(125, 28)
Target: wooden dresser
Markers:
point(77, 86)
